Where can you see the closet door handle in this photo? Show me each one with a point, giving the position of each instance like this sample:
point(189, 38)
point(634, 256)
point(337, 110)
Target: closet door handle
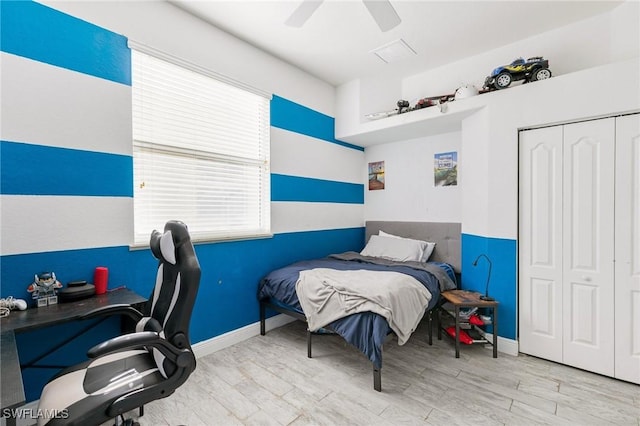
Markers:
point(586, 278)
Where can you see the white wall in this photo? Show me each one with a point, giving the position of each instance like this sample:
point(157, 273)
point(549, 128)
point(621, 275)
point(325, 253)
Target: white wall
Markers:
point(63, 108)
point(603, 39)
point(171, 30)
point(578, 46)
point(486, 199)
point(557, 100)
point(625, 31)
point(606, 81)
point(410, 193)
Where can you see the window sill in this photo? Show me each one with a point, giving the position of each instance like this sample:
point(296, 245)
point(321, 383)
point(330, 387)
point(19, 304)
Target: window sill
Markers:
point(211, 240)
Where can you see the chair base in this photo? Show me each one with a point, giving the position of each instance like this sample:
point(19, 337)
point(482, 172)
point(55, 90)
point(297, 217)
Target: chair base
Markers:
point(128, 422)
point(121, 421)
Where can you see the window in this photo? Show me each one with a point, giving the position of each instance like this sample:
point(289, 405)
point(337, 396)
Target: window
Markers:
point(200, 152)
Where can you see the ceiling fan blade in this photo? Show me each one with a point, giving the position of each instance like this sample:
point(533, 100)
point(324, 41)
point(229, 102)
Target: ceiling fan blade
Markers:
point(302, 13)
point(384, 14)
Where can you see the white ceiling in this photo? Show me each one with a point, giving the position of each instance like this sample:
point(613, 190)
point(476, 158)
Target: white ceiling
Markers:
point(335, 43)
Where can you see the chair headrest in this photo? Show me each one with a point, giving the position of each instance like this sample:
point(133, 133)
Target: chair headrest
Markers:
point(164, 246)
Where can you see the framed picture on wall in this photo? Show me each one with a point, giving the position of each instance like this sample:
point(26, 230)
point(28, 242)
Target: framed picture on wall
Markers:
point(376, 175)
point(445, 169)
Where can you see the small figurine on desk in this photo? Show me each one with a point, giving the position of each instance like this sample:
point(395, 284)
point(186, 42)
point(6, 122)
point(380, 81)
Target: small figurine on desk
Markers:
point(44, 289)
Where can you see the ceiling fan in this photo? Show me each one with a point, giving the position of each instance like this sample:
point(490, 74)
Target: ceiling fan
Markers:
point(381, 10)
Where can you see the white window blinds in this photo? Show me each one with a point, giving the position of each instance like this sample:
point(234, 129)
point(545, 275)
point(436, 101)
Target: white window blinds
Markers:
point(200, 152)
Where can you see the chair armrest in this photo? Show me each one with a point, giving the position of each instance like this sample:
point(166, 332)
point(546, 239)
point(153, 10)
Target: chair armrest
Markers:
point(122, 343)
point(148, 339)
point(119, 309)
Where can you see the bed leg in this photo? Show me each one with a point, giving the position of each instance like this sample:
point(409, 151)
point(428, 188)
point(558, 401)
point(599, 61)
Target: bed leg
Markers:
point(439, 322)
point(309, 334)
point(377, 379)
point(430, 326)
point(262, 319)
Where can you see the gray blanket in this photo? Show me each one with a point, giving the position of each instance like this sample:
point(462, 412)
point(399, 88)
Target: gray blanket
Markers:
point(445, 281)
point(327, 295)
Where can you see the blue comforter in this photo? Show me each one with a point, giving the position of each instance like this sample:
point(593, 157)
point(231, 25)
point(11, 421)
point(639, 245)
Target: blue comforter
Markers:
point(366, 331)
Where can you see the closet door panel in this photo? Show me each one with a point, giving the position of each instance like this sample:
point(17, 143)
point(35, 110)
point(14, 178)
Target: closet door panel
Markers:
point(627, 265)
point(540, 243)
point(588, 244)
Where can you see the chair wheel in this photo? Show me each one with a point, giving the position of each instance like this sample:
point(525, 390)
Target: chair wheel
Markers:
point(127, 422)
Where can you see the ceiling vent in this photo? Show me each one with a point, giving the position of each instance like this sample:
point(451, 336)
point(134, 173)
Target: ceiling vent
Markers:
point(394, 51)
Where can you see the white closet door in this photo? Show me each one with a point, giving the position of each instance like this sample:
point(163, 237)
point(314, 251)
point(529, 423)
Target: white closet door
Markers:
point(588, 244)
point(627, 266)
point(540, 243)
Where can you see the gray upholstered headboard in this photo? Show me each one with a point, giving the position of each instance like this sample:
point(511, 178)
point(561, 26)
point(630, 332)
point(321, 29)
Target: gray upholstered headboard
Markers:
point(446, 236)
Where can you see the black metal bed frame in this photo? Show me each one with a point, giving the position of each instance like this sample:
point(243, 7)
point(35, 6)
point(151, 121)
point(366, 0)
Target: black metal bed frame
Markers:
point(377, 372)
point(446, 235)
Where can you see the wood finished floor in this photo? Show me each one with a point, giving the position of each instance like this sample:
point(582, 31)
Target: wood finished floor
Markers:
point(268, 380)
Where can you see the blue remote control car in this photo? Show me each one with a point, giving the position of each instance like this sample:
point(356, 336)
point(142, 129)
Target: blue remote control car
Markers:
point(533, 69)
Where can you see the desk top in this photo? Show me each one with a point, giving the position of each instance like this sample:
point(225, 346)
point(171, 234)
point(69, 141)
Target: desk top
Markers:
point(34, 318)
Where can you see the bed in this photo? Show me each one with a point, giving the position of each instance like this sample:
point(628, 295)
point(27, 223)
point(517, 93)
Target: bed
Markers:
point(401, 287)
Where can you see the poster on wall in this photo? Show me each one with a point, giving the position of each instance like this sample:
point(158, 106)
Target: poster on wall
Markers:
point(445, 170)
point(376, 175)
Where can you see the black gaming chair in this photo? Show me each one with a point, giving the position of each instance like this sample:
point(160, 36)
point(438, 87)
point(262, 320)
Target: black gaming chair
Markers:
point(128, 371)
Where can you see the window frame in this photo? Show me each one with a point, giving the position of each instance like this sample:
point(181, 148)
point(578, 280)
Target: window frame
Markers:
point(263, 212)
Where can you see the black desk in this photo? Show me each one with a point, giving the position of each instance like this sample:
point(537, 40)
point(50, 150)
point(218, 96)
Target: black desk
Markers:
point(33, 318)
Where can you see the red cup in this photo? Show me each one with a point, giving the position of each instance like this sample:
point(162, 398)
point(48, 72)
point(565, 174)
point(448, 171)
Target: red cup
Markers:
point(100, 278)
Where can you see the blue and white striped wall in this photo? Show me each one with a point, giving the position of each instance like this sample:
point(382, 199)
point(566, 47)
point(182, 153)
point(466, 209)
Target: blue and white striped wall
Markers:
point(503, 254)
point(316, 181)
point(481, 233)
point(66, 181)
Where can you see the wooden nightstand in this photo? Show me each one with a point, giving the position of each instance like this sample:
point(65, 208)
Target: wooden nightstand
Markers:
point(467, 299)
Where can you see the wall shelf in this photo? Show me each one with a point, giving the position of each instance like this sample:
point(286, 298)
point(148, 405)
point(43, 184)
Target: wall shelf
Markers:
point(410, 125)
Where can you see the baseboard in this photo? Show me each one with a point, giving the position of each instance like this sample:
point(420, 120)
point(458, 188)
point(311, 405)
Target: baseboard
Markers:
point(506, 346)
point(225, 340)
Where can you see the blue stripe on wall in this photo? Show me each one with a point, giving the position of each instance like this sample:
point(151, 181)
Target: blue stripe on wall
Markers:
point(27, 169)
point(295, 188)
point(43, 34)
point(226, 299)
point(70, 265)
point(294, 117)
point(502, 286)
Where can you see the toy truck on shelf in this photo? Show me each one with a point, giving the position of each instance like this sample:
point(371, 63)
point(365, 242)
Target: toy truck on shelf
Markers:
point(533, 69)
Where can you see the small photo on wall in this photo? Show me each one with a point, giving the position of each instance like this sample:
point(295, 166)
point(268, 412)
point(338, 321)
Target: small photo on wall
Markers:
point(376, 175)
point(445, 171)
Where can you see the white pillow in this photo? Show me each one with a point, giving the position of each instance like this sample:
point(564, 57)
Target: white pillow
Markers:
point(427, 251)
point(400, 249)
